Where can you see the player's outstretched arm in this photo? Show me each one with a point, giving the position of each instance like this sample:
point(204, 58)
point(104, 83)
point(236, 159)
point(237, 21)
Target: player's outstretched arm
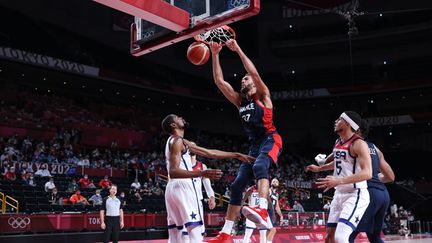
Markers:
point(226, 88)
point(218, 154)
point(329, 165)
point(174, 170)
point(386, 170)
point(250, 68)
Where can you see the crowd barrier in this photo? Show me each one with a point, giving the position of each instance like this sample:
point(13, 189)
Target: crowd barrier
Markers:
point(21, 223)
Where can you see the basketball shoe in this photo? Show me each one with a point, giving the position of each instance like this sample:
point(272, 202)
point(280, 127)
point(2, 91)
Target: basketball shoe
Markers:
point(257, 215)
point(221, 238)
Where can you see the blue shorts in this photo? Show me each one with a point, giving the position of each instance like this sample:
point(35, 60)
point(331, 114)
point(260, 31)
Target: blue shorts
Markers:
point(373, 218)
point(266, 151)
point(271, 145)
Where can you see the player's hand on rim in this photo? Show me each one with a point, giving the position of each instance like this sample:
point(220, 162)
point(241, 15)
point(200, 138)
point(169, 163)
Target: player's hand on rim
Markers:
point(232, 45)
point(215, 48)
point(214, 174)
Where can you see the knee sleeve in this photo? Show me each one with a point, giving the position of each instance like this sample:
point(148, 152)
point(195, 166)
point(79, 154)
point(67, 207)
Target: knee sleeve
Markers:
point(261, 166)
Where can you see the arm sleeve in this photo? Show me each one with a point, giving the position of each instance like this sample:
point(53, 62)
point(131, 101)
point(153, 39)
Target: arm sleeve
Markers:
point(208, 188)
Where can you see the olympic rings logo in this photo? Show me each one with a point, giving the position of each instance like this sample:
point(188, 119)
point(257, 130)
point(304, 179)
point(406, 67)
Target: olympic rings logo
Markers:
point(18, 222)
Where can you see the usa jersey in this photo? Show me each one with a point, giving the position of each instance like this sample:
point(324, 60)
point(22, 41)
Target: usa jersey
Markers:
point(254, 197)
point(256, 119)
point(345, 164)
point(374, 181)
point(198, 180)
point(185, 159)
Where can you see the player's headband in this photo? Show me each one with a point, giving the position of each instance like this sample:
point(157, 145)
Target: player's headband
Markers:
point(350, 121)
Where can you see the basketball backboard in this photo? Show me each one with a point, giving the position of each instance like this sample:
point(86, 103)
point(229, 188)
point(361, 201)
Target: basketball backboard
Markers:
point(160, 23)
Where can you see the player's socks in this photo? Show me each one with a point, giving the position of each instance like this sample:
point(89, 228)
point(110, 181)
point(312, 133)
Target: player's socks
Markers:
point(227, 228)
point(247, 236)
point(263, 203)
point(263, 236)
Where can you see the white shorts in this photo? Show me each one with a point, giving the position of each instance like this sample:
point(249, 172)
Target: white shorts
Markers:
point(183, 207)
point(252, 225)
point(348, 207)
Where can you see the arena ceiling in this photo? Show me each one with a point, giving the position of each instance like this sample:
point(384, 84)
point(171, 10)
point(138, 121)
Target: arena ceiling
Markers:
point(297, 49)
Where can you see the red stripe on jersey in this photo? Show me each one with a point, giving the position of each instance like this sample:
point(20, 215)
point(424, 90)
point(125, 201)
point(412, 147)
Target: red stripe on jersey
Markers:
point(267, 118)
point(198, 166)
point(276, 147)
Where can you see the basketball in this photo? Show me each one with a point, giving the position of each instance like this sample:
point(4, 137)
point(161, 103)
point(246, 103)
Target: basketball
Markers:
point(198, 53)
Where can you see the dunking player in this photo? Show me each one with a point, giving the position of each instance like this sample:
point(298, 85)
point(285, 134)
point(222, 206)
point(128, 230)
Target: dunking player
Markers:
point(252, 198)
point(199, 181)
point(183, 208)
point(352, 167)
point(373, 219)
point(256, 113)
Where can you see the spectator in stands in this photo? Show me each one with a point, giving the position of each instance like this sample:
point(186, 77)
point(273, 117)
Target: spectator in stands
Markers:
point(96, 199)
point(85, 182)
point(78, 199)
point(136, 193)
point(72, 186)
point(25, 175)
point(157, 190)
point(30, 180)
point(54, 198)
point(4, 168)
point(49, 185)
point(136, 184)
point(283, 203)
point(23, 170)
point(404, 231)
point(43, 171)
point(122, 199)
point(11, 174)
point(298, 207)
point(84, 161)
point(327, 206)
point(105, 183)
point(146, 190)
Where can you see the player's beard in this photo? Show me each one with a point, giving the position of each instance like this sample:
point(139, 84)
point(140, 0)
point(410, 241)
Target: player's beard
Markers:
point(336, 130)
point(245, 90)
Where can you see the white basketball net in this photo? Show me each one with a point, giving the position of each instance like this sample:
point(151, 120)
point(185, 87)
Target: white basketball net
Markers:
point(219, 35)
point(236, 3)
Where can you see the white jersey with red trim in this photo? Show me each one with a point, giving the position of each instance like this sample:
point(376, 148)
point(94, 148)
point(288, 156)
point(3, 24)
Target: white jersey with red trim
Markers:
point(345, 164)
point(198, 180)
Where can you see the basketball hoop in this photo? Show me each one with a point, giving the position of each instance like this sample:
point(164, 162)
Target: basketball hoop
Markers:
point(219, 35)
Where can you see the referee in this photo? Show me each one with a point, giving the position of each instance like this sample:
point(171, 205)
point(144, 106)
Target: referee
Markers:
point(111, 214)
